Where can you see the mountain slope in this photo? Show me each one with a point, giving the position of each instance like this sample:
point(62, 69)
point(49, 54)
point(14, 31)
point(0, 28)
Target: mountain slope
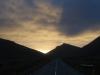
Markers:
point(17, 58)
point(93, 48)
point(92, 51)
point(94, 45)
point(64, 51)
point(9, 49)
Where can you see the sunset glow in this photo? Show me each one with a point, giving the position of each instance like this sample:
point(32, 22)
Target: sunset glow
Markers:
point(38, 25)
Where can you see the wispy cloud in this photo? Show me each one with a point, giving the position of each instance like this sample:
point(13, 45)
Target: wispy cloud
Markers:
point(48, 23)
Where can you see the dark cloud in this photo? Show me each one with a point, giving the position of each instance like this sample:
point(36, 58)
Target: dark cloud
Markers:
point(79, 16)
point(7, 22)
point(12, 12)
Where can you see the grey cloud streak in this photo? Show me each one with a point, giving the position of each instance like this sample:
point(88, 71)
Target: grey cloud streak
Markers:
point(13, 11)
point(77, 15)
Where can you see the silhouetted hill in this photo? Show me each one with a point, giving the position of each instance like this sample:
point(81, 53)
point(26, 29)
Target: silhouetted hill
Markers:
point(89, 54)
point(15, 58)
point(85, 59)
point(93, 46)
point(92, 51)
point(9, 49)
point(64, 51)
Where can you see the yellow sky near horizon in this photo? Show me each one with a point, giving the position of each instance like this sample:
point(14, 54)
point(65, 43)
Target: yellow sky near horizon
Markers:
point(47, 40)
point(38, 28)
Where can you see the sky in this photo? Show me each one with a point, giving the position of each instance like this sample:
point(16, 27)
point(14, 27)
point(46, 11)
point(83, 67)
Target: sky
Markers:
point(45, 24)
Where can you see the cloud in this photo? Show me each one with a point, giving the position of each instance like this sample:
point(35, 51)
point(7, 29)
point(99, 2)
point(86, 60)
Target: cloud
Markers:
point(12, 12)
point(44, 24)
point(45, 40)
point(80, 16)
point(71, 17)
point(16, 12)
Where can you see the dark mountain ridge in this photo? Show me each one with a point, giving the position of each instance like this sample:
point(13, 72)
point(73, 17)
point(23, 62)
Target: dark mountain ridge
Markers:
point(10, 49)
point(93, 46)
point(64, 51)
point(17, 58)
point(91, 52)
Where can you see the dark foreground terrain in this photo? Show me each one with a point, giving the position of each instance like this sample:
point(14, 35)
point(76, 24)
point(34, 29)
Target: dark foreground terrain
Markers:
point(66, 59)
